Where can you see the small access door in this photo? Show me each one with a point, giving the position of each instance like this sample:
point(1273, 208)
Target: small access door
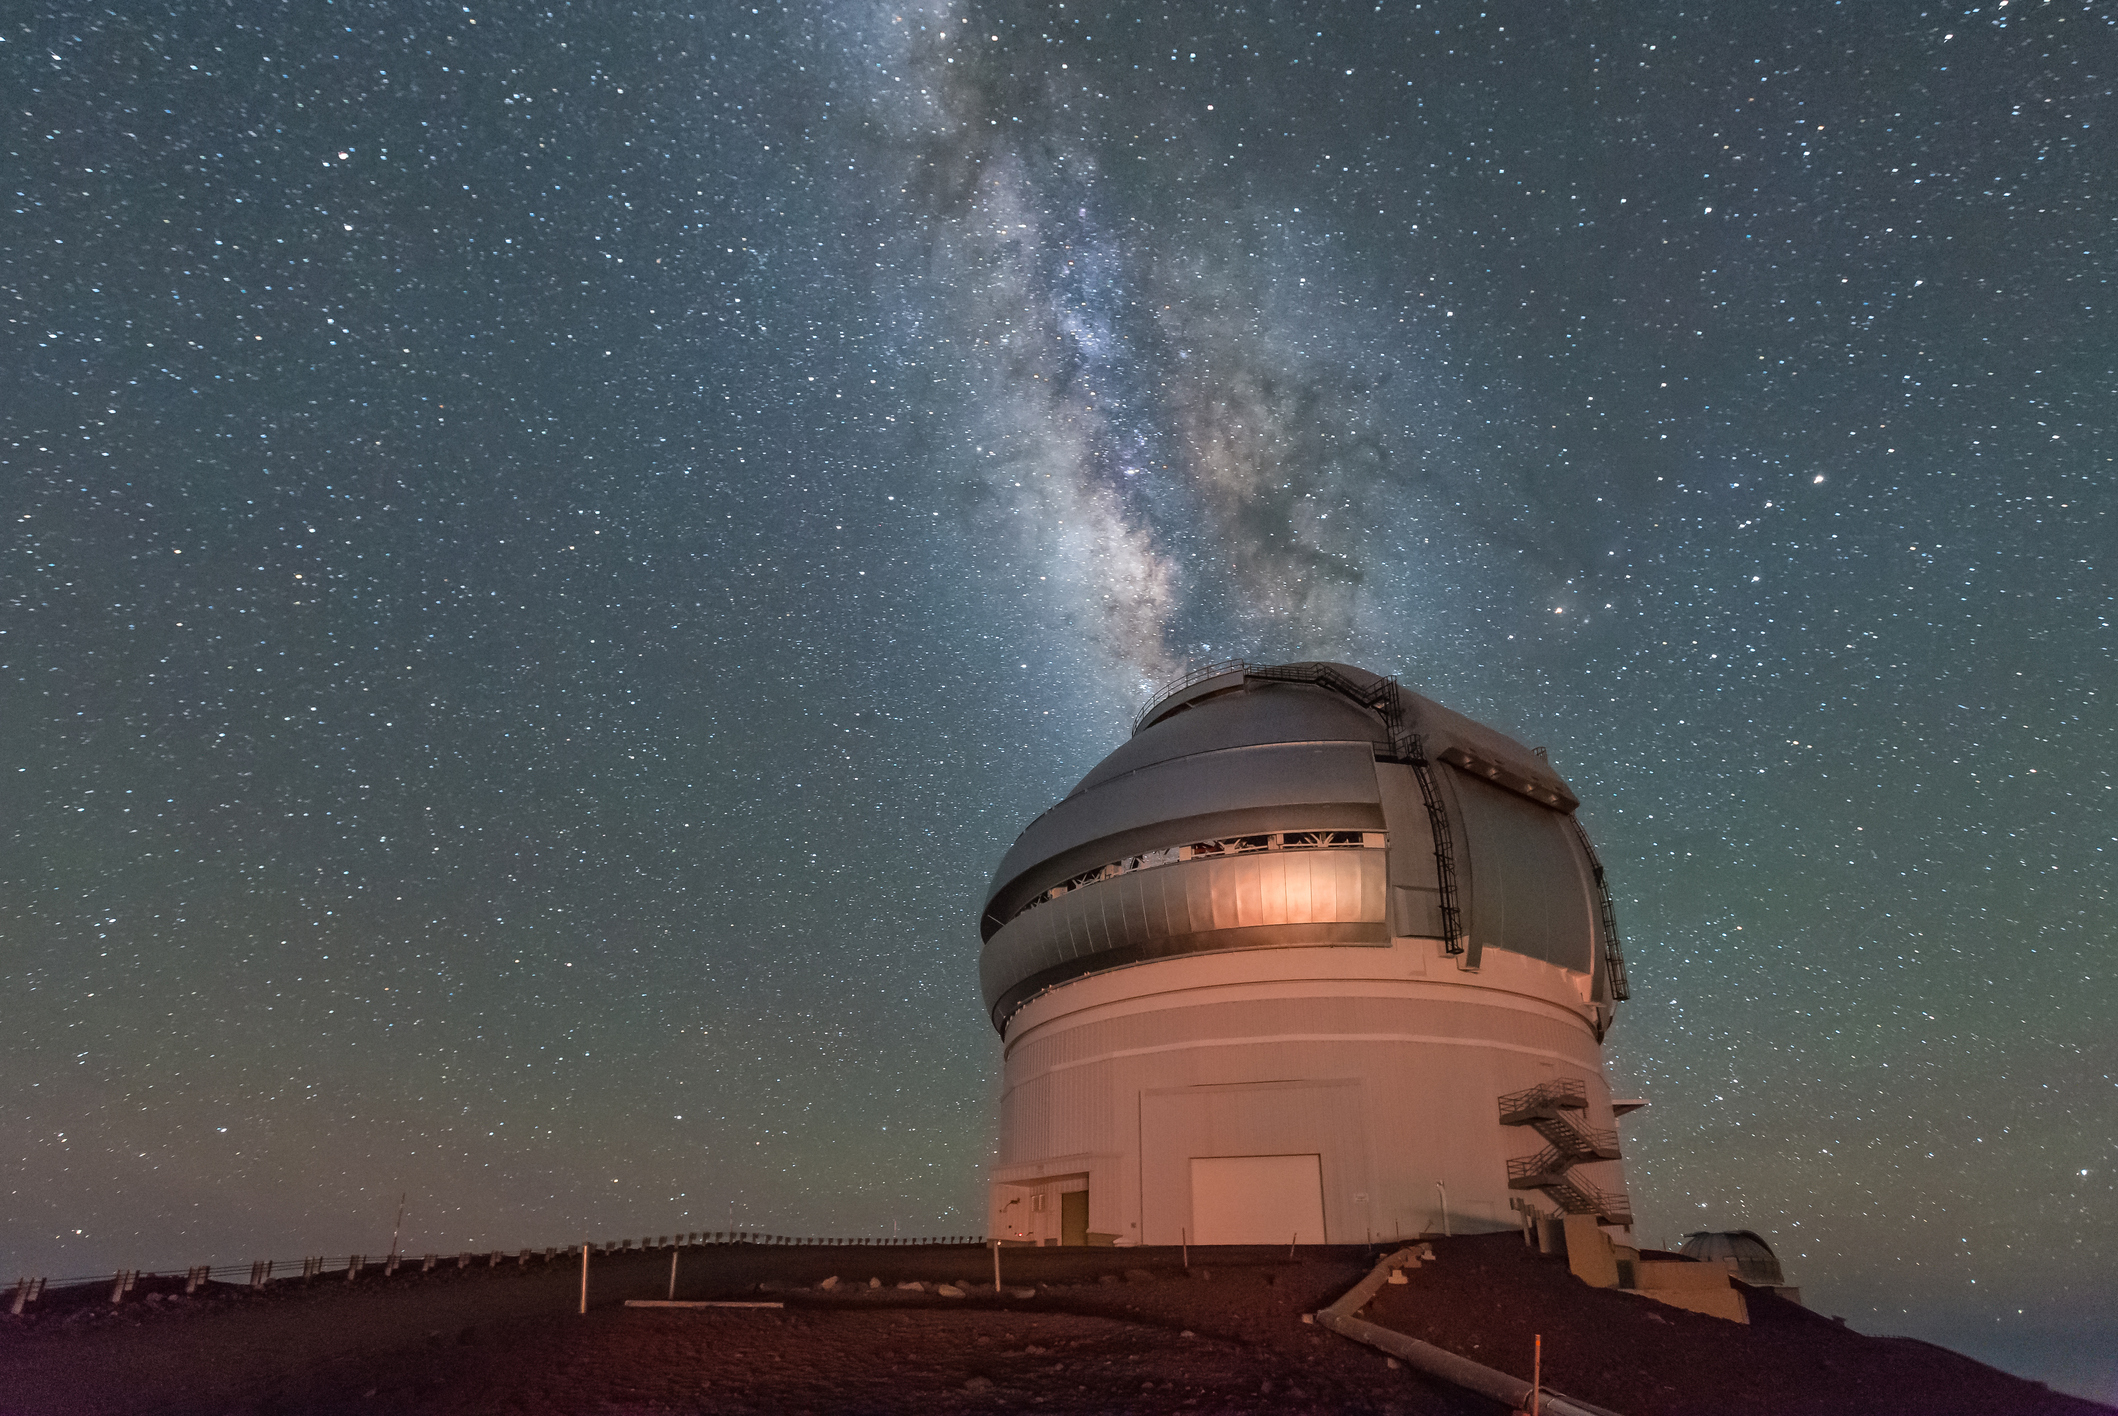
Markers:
point(1073, 1218)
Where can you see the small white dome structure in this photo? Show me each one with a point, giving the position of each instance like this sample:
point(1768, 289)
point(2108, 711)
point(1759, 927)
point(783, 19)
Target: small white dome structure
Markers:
point(1309, 958)
point(1741, 1251)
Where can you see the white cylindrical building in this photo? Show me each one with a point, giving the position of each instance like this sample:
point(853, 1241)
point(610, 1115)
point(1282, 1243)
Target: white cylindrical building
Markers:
point(1309, 958)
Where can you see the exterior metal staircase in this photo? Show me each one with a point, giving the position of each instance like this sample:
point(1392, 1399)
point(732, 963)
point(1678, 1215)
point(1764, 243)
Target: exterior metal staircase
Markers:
point(1547, 1109)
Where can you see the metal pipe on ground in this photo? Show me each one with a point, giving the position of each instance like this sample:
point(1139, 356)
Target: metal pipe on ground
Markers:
point(1436, 1361)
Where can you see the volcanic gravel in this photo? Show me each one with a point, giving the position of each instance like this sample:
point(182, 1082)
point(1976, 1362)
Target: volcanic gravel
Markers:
point(1107, 1330)
point(1489, 1298)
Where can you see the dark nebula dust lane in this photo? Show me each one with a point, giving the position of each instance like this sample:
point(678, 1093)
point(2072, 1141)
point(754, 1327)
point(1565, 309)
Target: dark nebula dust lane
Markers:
point(548, 553)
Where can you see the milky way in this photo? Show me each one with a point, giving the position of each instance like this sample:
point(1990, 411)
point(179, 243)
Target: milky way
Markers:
point(549, 554)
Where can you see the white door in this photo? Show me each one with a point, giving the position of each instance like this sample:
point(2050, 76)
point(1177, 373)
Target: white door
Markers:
point(1257, 1199)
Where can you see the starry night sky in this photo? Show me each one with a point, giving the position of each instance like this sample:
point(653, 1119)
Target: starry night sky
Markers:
point(549, 551)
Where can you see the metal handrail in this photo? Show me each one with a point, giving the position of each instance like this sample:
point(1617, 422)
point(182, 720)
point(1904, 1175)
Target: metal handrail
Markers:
point(1573, 1139)
point(1163, 693)
point(1546, 1163)
point(1562, 1093)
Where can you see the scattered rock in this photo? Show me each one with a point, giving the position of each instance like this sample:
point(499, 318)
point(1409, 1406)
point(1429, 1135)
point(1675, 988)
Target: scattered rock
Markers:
point(874, 1283)
point(1108, 1278)
point(913, 1287)
point(1138, 1276)
point(829, 1284)
point(950, 1290)
point(1022, 1292)
point(1392, 1363)
point(976, 1384)
point(1187, 1333)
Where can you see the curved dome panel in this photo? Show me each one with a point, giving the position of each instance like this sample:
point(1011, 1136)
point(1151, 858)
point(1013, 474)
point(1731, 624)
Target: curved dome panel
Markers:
point(1741, 1251)
point(1290, 713)
point(1294, 786)
point(1530, 888)
point(1264, 899)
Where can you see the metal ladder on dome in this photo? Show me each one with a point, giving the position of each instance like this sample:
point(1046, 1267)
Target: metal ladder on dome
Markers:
point(1384, 699)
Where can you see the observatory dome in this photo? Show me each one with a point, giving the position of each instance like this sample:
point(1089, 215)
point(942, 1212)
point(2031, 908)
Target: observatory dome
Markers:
point(1241, 784)
point(1309, 954)
point(1741, 1252)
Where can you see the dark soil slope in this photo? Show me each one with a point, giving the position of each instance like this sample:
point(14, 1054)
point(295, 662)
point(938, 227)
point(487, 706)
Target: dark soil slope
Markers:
point(1107, 1330)
point(1489, 1297)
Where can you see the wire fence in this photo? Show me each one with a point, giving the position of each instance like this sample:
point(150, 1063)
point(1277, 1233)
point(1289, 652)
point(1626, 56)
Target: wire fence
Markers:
point(262, 1273)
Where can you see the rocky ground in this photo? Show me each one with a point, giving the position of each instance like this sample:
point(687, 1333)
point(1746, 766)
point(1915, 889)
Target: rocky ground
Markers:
point(1106, 1330)
point(1492, 1298)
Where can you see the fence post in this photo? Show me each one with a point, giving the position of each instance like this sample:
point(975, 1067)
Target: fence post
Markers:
point(354, 1264)
point(584, 1279)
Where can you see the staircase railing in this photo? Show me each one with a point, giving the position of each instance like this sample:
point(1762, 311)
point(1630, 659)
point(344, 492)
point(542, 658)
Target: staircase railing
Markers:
point(1545, 1099)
